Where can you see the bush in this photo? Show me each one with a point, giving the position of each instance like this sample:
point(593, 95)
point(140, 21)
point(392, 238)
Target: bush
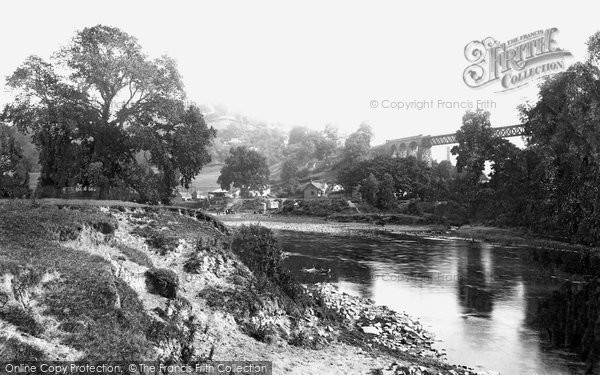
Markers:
point(193, 264)
point(316, 207)
point(258, 249)
point(163, 282)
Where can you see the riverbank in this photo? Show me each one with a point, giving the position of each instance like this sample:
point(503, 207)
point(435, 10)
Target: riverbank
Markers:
point(575, 262)
point(219, 310)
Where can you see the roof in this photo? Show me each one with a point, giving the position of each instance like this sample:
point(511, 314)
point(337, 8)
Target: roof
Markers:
point(219, 191)
point(319, 185)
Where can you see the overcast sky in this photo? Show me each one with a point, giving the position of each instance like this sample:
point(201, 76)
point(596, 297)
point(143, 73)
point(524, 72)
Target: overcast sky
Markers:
point(312, 62)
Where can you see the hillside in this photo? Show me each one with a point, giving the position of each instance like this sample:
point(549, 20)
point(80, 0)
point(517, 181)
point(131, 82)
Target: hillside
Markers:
point(123, 281)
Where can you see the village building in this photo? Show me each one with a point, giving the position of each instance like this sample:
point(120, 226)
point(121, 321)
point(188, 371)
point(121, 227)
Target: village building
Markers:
point(314, 190)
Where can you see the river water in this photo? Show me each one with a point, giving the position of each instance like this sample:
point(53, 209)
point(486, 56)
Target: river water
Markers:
point(478, 299)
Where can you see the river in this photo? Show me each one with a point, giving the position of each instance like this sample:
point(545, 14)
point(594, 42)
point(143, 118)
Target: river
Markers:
point(478, 299)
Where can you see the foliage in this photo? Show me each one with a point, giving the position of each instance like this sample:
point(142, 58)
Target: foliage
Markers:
point(305, 145)
point(97, 104)
point(158, 240)
point(245, 169)
point(563, 128)
point(14, 167)
point(316, 207)
point(357, 147)
point(22, 319)
point(14, 349)
point(134, 255)
point(411, 177)
point(163, 282)
point(475, 141)
point(369, 188)
point(104, 317)
point(257, 248)
point(386, 193)
point(268, 139)
point(290, 175)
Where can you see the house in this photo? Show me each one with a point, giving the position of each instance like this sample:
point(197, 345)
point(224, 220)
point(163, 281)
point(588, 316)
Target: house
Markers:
point(264, 192)
point(185, 196)
point(314, 190)
point(272, 204)
point(218, 193)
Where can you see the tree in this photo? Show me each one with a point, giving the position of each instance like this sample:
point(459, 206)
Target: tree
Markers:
point(358, 144)
point(98, 103)
point(411, 176)
point(297, 134)
point(289, 175)
point(564, 130)
point(475, 139)
point(245, 169)
point(14, 167)
point(289, 170)
point(369, 188)
point(386, 194)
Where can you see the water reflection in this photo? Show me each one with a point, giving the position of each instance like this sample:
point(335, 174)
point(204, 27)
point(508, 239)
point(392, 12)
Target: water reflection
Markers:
point(476, 298)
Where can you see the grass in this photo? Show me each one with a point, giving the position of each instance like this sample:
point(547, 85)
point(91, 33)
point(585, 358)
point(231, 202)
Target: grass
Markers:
point(11, 349)
point(87, 290)
point(162, 242)
point(22, 319)
point(207, 179)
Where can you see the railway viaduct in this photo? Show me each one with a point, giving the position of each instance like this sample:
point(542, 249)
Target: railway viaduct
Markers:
point(420, 145)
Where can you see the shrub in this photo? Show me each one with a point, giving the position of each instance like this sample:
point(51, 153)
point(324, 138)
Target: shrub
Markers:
point(300, 338)
point(163, 282)
point(258, 249)
point(316, 207)
point(193, 264)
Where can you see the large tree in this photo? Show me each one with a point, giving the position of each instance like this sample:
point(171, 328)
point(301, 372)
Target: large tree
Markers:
point(475, 141)
point(411, 177)
point(358, 144)
point(14, 167)
point(245, 169)
point(564, 132)
point(98, 103)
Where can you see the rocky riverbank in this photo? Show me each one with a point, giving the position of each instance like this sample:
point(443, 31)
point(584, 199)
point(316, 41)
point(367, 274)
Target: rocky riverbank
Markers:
point(385, 327)
point(217, 309)
point(380, 327)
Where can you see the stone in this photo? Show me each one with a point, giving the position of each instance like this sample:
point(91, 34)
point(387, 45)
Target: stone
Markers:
point(370, 330)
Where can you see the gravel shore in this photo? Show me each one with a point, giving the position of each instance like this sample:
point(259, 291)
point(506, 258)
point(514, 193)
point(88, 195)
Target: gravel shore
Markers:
point(319, 225)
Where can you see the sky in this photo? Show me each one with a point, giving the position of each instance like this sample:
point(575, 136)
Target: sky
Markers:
point(313, 63)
